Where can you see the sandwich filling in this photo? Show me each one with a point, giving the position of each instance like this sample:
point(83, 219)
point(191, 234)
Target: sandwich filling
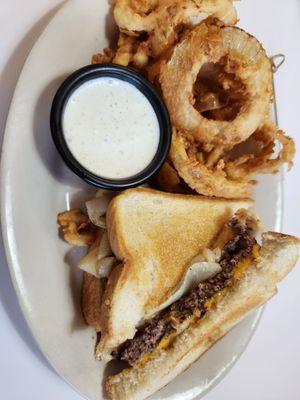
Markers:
point(236, 255)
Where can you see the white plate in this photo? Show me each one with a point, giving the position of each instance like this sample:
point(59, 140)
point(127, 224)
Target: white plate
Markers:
point(36, 185)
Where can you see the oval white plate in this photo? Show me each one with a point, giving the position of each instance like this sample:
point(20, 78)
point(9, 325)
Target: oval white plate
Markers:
point(36, 185)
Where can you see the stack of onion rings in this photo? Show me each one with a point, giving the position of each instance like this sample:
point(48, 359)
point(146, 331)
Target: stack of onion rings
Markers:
point(217, 83)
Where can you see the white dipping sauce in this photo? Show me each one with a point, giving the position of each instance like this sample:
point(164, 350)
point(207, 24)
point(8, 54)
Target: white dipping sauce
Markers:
point(111, 128)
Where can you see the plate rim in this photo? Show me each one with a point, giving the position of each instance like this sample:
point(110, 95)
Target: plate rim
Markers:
point(6, 222)
point(5, 218)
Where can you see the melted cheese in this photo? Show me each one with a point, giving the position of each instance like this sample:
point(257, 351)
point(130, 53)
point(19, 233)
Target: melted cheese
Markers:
point(241, 268)
point(199, 271)
point(245, 264)
point(255, 252)
point(163, 344)
point(209, 304)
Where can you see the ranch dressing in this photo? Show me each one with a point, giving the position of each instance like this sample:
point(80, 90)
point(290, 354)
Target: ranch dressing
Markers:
point(111, 128)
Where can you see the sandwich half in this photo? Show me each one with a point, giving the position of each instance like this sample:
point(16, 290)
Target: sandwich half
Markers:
point(169, 277)
point(190, 326)
point(156, 237)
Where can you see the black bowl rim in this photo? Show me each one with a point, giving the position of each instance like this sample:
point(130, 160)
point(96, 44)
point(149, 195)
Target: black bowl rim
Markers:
point(127, 74)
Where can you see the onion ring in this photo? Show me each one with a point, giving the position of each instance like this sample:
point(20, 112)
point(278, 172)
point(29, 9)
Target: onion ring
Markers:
point(222, 173)
point(244, 57)
point(162, 19)
point(264, 162)
point(202, 179)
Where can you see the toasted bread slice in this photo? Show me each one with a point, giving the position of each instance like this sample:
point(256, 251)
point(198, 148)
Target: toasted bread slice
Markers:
point(278, 255)
point(92, 290)
point(156, 235)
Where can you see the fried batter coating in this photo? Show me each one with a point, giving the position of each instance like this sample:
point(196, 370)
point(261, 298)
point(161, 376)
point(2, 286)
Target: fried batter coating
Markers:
point(228, 173)
point(163, 20)
point(76, 227)
point(131, 51)
point(106, 57)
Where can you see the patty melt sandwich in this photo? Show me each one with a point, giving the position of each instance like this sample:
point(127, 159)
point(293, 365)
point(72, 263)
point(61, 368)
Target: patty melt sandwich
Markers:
point(188, 270)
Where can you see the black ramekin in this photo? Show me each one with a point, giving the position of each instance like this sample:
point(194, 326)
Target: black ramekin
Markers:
point(126, 74)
